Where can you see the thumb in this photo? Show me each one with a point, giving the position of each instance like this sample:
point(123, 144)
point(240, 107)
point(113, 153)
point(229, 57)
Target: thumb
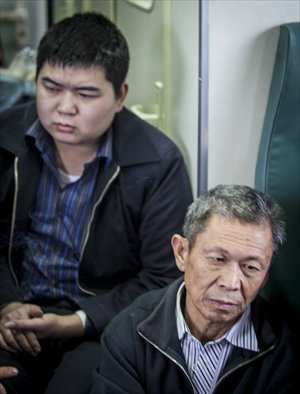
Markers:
point(35, 311)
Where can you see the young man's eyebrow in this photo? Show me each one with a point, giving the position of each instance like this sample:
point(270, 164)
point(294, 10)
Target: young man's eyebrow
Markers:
point(47, 79)
point(81, 88)
point(87, 88)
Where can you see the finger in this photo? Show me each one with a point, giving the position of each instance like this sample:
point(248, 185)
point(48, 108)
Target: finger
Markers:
point(24, 324)
point(19, 342)
point(34, 310)
point(8, 341)
point(23, 311)
point(7, 372)
point(27, 341)
point(2, 389)
point(32, 341)
point(4, 345)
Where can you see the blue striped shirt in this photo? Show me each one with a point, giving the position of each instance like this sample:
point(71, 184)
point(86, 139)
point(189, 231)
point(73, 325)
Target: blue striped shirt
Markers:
point(59, 222)
point(205, 363)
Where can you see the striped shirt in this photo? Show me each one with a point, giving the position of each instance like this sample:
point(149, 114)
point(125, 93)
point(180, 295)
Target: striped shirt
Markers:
point(205, 363)
point(59, 221)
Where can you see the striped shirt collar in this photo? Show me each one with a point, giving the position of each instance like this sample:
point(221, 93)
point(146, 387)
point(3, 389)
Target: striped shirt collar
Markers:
point(44, 142)
point(242, 334)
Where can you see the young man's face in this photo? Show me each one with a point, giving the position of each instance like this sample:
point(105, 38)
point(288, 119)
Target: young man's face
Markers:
point(223, 272)
point(76, 105)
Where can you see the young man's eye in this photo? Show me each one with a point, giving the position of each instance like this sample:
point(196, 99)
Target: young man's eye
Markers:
point(88, 96)
point(51, 88)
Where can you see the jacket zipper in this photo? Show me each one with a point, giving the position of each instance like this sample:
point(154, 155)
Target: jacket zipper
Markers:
point(222, 378)
point(16, 176)
point(242, 364)
point(13, 219)
point(111, 180)
point(172, 359)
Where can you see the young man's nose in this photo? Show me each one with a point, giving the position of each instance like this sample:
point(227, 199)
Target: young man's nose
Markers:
point(67, 103)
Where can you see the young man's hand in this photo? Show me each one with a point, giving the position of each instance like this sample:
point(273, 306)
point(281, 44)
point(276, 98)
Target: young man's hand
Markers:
point(18, 340)
point(48, 326)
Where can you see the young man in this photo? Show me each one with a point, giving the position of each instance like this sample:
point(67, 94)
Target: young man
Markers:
point(89, 196)
point(210, 332)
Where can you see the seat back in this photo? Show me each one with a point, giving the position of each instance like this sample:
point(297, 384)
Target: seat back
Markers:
point(278, 167)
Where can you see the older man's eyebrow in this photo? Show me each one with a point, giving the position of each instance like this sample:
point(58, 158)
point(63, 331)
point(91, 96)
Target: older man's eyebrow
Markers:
point(225, 252)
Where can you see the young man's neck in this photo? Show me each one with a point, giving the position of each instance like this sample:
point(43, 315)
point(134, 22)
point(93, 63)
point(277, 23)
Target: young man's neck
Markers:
point(72, 158)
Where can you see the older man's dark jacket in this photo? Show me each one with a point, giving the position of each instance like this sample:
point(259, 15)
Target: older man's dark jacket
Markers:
point(139, 202)
point(141, 352)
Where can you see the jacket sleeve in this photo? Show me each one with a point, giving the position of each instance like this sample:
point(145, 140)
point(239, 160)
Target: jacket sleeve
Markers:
point(162, 206)
point(8, 289)
point(117, 372)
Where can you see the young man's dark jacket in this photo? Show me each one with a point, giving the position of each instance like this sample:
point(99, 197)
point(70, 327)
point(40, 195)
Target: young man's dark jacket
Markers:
point(141, 352)
point(139, 202)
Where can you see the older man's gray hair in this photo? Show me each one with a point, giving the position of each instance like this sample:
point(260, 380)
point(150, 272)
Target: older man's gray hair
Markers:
point(235, 202)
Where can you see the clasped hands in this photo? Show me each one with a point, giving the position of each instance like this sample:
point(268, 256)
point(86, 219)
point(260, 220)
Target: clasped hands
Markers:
point(22, 326)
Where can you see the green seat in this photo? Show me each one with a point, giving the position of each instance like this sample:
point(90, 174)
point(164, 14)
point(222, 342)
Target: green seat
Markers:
point(278, 167)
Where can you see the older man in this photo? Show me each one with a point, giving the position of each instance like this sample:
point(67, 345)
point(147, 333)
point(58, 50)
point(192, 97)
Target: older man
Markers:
point(210, 332)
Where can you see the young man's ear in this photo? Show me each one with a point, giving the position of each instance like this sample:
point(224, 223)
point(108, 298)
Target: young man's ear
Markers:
point(122, 95)
point(181, 251)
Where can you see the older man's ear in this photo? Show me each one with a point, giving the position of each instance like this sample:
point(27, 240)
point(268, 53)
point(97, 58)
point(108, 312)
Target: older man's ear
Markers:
point(181, 250)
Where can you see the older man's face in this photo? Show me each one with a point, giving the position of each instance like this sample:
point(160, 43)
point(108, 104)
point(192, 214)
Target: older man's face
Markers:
point(223, 272)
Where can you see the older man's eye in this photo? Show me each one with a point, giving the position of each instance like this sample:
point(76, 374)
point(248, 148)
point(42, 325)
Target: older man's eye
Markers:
point(218, 259)
point(251, 267)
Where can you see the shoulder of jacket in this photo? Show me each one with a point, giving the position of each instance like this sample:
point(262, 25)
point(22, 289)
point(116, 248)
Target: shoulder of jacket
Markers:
point(15, 121)
point(136, 141)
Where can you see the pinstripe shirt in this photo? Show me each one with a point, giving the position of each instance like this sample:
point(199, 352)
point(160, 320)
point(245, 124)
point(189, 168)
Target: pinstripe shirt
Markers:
point(59, 222)
point(205, 363)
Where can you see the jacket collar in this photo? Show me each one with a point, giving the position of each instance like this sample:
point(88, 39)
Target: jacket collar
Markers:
point(129, 132)
point(14, 123)
point(160, 326)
